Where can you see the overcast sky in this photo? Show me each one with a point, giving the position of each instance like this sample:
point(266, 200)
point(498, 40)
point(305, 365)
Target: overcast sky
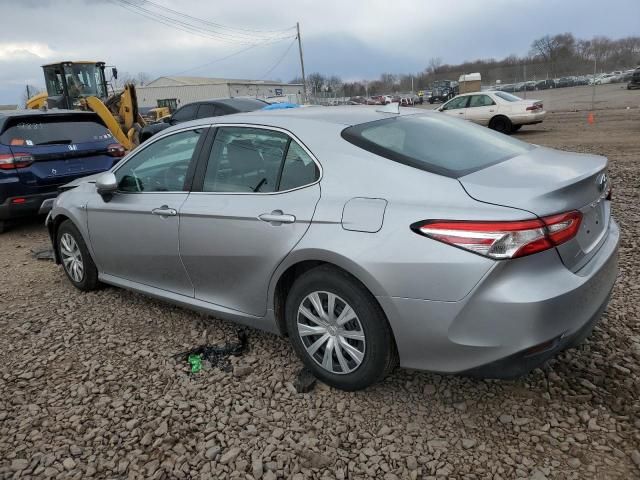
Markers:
point(351, 38)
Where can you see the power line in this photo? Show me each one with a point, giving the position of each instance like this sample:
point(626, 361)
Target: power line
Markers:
point(225, 57)
point(279, 60)
point(212, 23)
point(195, 29)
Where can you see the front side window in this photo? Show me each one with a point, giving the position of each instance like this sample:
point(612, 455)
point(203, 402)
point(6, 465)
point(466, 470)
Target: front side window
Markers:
point(160, 167)
point(256, 160)
point(480, 101)
point(459, 102)
point(435, 143)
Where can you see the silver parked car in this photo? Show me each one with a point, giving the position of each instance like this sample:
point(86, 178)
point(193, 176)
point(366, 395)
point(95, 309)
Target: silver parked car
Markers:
point(368, 237)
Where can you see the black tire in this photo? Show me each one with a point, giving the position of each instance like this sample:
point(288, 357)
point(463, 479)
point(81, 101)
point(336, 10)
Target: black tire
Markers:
point(89, 279)
point(431, 101)
point(380, 354)
point(501, 124)
point(3, 226)
point(515, 128)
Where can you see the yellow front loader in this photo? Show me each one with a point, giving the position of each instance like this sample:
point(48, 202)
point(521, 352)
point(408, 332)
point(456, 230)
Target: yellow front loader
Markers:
point(82, 86)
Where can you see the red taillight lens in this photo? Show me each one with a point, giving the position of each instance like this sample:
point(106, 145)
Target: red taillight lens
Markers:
point(535, 106)
point(504, 239)
point(116, 150)
point(17, 160)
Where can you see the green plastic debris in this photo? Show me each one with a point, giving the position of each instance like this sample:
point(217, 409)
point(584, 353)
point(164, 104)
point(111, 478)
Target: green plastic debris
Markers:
point(196, 363)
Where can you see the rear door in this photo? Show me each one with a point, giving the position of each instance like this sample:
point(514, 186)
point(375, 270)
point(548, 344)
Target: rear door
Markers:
point(253, 200)
point(62, 147)
point(481, 109)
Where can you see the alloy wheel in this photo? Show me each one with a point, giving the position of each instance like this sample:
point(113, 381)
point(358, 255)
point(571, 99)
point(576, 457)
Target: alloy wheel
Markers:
point(331, 332)
point(71, 257)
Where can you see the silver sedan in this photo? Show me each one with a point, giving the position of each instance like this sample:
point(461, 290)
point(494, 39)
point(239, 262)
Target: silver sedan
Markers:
point(368, 237)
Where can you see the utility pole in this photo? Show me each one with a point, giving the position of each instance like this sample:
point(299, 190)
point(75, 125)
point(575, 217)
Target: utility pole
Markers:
point(304, 80)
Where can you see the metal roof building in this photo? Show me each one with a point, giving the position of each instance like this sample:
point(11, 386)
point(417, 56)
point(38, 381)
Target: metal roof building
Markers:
point(174, 92)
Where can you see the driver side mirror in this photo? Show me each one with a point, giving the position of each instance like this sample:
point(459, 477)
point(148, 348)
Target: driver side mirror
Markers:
point(106, 185)
point(167, 119)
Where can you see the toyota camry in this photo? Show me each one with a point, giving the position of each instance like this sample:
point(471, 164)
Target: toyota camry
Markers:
point(367, 236)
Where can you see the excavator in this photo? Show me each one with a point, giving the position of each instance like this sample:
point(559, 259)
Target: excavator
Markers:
point(81, 85)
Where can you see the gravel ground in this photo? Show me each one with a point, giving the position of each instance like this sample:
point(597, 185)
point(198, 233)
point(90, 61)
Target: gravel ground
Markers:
point(88, 386)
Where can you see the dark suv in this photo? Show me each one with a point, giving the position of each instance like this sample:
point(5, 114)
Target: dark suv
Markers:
point(41, 150)
point(203, 109)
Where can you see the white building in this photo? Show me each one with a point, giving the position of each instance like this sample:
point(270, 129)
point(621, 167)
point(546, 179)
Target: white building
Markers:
point(174, 92)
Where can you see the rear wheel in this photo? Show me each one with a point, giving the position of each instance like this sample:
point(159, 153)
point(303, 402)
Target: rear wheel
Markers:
point(515, 128)
point(338, 329)
point(501, 124)
point(76, 260)
point(3, 226)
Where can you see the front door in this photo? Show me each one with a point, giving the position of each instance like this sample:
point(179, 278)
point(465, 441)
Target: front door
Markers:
point(255, 201)
point(135, 234)
point(456, 107)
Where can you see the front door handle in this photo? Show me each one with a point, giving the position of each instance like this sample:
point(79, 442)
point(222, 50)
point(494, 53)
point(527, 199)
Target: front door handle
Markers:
point(277, 217)
point(165, 211)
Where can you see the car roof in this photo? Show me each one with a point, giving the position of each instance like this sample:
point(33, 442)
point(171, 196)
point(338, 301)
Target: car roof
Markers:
point(339, 116)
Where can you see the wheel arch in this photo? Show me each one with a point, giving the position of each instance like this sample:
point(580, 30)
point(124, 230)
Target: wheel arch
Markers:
point(298, 264)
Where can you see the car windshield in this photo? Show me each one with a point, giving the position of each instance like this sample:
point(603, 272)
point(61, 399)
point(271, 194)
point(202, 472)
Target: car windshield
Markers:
point(435, 143)
point(508, 97)
point(29, 131)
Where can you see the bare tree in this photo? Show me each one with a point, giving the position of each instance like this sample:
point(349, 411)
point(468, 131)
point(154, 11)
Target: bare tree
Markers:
point(316, 81)
point(434, 64)
point(334, 83)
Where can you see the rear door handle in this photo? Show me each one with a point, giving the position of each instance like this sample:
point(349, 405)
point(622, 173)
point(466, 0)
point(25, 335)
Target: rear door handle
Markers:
point(165, 211)
point(277, 217)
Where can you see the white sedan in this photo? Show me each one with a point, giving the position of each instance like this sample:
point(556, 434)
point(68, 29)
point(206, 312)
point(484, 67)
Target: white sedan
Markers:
point(500, 111)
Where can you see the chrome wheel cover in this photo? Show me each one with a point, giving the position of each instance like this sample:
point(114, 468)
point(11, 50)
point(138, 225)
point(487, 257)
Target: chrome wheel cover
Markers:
point(331, 332)
point(71, 257)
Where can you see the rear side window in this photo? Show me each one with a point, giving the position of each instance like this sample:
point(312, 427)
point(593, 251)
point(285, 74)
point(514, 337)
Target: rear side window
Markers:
point(186, 113)
point(54, 130)
point(435, 143)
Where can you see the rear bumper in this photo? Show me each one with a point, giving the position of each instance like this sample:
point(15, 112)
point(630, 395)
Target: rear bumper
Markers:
point(519, 305)
point(528, 118)
point(24, 205)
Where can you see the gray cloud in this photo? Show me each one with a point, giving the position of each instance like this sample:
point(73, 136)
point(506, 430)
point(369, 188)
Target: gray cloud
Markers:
point(356, 39)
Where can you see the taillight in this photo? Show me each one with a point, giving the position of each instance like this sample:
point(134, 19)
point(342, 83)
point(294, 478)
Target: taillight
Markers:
point(535, 106)
point(116, 150)
point(504, 239)
point(10, 161)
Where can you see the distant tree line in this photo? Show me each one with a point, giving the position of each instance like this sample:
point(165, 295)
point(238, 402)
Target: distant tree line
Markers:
point(549, 57)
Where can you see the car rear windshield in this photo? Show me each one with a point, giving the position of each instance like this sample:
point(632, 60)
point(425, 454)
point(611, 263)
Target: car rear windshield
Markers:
point(36, 130)
point(245, 104)
point(507, 96)
point(435, 143)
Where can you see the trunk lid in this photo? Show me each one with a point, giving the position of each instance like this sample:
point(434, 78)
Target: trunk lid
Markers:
point(545, 182)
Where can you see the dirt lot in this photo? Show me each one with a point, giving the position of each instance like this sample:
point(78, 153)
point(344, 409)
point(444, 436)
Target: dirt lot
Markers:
point(88, 387)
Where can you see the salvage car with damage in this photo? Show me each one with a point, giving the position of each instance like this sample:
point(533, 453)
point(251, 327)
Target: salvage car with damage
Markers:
point(369, 237)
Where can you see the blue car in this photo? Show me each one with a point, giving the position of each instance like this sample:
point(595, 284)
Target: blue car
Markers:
point(42, 150)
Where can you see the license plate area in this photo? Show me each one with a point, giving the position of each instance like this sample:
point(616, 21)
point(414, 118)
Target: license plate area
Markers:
point(595, 222)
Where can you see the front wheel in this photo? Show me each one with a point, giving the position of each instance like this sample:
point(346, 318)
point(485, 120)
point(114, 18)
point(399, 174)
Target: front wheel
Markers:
point(338, 330)
point(76, 260)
